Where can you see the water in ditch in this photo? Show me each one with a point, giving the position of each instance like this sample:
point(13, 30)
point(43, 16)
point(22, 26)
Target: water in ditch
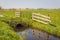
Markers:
point(33, 34)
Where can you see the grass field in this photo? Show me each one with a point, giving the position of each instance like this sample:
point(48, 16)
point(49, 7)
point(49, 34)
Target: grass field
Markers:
point(54, 15)
point(26, 17)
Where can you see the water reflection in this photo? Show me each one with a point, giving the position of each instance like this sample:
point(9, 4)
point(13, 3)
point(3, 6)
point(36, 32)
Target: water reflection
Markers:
point(32, 34)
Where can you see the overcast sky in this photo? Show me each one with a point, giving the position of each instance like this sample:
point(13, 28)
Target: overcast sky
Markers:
point(30, 3)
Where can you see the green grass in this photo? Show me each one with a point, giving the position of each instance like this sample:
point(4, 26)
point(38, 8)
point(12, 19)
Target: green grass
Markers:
point(54, 15)
point(26, 15)
point(7, 33)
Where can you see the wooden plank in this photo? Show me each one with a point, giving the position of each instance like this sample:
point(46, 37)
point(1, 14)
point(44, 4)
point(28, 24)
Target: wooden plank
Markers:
point(44, 19)
point(38, 14)
point(40, 21)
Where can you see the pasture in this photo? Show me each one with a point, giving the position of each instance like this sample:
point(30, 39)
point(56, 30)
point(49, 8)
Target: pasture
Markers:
point(26, 17)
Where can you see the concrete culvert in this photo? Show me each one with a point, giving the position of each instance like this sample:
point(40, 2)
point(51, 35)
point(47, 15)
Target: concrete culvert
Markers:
point(18, 26)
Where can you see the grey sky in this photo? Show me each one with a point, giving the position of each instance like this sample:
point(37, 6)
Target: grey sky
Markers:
point(30, 3)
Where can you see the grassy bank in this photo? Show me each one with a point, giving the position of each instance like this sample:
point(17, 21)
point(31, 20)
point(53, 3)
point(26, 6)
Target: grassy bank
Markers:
point(7, 33)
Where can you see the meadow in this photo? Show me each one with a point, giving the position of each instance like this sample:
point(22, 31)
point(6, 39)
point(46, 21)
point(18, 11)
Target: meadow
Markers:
point(26, 18)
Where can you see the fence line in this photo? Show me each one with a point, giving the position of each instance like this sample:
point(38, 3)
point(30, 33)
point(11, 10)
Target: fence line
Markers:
point(41, 15)
point(40, 21)
point(17, 14)
point(41, 18)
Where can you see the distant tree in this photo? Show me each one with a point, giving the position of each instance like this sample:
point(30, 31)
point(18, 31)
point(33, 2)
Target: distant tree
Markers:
point(39, 8)
point(0, 8)
point(27, 8)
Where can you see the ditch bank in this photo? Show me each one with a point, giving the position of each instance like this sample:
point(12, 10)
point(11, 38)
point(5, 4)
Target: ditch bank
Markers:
point(19, 26)
point(7, 33)
point(23, 30)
